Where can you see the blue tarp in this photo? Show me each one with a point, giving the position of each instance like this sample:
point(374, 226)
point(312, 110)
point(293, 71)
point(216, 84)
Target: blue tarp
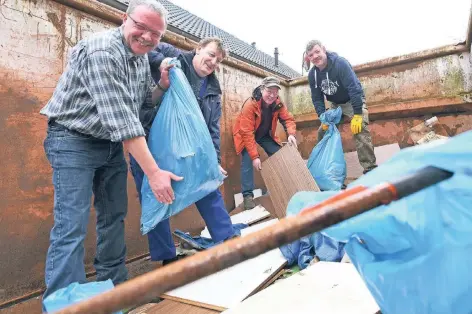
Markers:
point(180, 142)
point(304, 250)
point(326, 162)
point(415, 253)
point(74, 293)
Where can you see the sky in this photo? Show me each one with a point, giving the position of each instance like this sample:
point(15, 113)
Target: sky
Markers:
point(359, 30)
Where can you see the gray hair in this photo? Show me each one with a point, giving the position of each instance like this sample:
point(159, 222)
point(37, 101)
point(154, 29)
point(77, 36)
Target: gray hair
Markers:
point(313, 43)
point(154, 5)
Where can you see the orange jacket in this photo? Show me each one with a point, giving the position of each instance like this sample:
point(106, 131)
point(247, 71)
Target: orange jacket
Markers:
point(249, 119)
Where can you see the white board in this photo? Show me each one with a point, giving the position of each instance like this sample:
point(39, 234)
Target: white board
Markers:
point(245, 217)
point(229, 287)
point(323, 288)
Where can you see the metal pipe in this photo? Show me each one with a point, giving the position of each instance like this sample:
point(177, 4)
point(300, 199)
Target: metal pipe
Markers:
point(142, 289)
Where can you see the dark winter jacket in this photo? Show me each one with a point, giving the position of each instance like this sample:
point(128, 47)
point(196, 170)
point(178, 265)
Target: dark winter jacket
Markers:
point(338, 82)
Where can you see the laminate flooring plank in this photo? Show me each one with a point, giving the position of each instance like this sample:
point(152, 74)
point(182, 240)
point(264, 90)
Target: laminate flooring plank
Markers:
point(285, 173)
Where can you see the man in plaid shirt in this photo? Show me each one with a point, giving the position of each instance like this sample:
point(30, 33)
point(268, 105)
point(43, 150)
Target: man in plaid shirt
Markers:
point(92, 114)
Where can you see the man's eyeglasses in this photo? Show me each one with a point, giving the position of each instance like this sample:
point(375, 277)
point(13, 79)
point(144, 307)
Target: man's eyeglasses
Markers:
point(143, 27)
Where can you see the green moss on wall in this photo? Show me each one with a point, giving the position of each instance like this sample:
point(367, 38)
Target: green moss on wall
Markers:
point(301, 103)
point(453, 80)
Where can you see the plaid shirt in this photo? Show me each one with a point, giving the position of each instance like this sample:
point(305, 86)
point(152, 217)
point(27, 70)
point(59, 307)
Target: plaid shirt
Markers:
point(102, 89)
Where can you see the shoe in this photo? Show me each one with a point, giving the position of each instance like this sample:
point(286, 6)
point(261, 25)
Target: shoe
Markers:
point(171, 260)
point(249, 202)
point(368, 170)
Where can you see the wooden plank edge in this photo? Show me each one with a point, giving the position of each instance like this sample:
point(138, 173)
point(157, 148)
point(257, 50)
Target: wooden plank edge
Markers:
point(195, 303)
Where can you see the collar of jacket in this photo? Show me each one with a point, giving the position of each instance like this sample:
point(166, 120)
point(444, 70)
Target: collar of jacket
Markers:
point(213, 85)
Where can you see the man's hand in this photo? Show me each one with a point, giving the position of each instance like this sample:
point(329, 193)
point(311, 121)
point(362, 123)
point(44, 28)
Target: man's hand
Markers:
point(164, 63)
point(325, 127)
point(356, 124)
point(160, 183)
point(164, 82)
point(292, 140)
point(223, 171)
point(256, 163)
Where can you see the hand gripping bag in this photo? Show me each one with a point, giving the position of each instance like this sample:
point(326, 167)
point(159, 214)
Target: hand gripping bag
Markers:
point(326, 162)
point(180, 142)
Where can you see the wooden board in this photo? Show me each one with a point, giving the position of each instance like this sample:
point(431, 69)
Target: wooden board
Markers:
point(247, 217)
point(382, 154)
point(172, 307)
point(285, 173)
point(231, 286)
point(323, 288)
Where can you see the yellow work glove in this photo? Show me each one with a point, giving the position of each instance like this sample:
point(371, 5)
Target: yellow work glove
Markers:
point(325, 127)
point(356, 124)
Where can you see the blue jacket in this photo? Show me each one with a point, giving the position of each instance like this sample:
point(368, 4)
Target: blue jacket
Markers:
point(210, 103)
point(338, 82)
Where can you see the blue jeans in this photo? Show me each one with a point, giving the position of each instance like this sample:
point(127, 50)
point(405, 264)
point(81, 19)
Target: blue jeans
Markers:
point(211, 208)
point(247, 170)
point(83, 165)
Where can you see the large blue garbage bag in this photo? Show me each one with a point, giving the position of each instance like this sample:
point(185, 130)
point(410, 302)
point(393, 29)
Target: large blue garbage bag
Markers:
point(415, 254)
point(180, 142)
point(74, 293)
point(326, 162)
point(304, 250)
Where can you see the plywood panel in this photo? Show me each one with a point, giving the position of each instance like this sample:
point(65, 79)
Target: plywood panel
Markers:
point(285, 173)
point(231, 286)
point(323, 288)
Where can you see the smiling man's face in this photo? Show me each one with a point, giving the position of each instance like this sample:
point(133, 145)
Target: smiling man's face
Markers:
point(207, 59)
point(143, 29)
point(317, 56)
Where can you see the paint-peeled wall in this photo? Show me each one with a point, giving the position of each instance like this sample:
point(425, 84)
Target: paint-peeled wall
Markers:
point(398, 98)
point(34, 42)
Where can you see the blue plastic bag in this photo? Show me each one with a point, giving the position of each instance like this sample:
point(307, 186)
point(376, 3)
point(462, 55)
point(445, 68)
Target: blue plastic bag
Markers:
point(180, 142)
point(304, 250)
point(74, 293)
point(415, 254)
point(326, 162)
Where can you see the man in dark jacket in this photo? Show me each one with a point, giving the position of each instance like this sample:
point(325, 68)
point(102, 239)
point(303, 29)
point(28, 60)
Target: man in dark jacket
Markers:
point(332, 76)
point(198, 66)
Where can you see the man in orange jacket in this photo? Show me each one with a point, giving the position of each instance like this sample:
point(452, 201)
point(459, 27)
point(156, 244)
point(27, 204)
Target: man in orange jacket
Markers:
point(257, 124)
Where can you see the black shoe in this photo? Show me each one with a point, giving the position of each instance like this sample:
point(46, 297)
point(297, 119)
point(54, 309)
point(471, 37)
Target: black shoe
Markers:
point(171, 260)
point(368, 170)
